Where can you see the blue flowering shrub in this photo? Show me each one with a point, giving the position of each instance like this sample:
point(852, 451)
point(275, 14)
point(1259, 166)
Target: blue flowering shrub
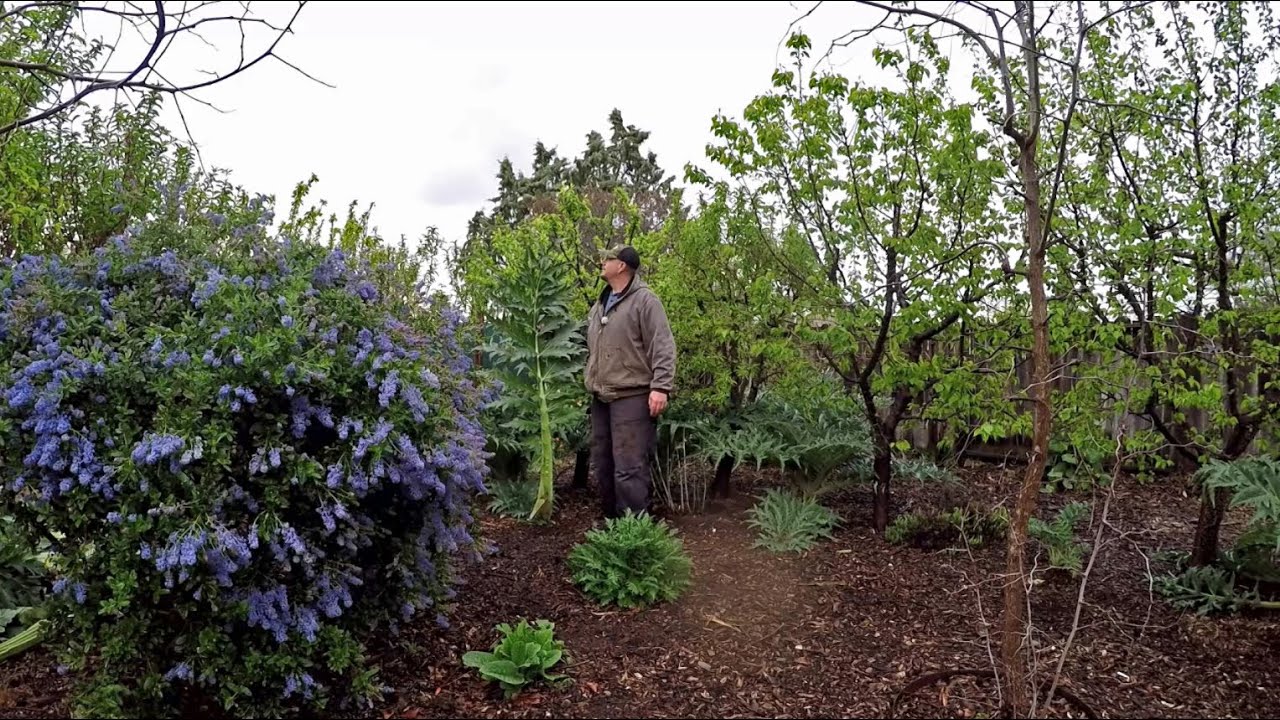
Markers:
point(252, 455)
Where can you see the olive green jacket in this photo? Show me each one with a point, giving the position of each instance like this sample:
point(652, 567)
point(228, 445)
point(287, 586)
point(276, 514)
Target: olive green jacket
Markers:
point(631, 350)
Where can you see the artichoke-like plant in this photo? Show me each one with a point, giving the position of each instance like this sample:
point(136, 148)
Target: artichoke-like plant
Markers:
point(538, 350)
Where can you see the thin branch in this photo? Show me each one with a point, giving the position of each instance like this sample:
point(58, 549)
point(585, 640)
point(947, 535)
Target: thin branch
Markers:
point(978, 37)
point(306, 74)
point(162, 27)
point(1061, 169)
point(1080, 595)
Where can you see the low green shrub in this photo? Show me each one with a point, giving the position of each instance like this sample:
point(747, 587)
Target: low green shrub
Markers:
point(934, 531)
point(513, 498)
point(1059, 538)
point(788, 523)
point(634, 561)
point(23, 580)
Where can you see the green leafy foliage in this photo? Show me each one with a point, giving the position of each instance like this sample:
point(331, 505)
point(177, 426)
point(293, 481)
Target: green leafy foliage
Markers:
point(1255, 557)
point(825, 435)
point(634, 561)
point(71, 181)
point(23, 575)
point(822, 437)
point(680, 485)
point(1253, 482)
point(891, 182)
point(1240, 577)
point(1209, 589)
point(23, 579)
point(1058, 537)
point(513, 498)
point(753, 442)
point(922, 470)
point(736, 332)
point(607, 164)
point(787, 523)
point(537, 352)
point(1175, 230)
point(912, 527)
point(1076, 466)
point(522, 656)
point(969, 525)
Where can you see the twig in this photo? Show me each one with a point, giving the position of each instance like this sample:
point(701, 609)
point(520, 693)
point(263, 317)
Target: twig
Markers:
point(159, 27)
point(986, 627)
point(1084, 584)
point(1098, 545)
point(718, 621)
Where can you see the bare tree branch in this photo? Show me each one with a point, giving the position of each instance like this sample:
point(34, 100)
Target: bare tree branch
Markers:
point(161, 27)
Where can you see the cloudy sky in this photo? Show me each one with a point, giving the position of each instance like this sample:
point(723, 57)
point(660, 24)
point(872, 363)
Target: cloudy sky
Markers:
point(429, 96)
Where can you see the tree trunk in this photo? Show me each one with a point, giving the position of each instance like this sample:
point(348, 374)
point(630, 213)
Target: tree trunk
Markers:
point(884, 471)
point(724, 470)
point(1212, 510)
point(581, 469)
point(1014, 650)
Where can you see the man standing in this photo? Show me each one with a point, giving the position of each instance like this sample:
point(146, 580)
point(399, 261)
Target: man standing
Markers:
point(631, 367)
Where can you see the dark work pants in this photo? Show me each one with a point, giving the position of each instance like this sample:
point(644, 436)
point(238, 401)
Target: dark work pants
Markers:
point(622, 437)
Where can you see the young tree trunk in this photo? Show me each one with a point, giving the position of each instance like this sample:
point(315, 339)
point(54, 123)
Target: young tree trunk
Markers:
point(1014, 652)
point(1212, 509)
point(882, 436)
point(884, 471)
point(581, 469)
point(724, 471)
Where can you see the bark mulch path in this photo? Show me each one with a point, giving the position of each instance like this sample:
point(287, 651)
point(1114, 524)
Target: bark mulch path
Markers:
point(834, 632)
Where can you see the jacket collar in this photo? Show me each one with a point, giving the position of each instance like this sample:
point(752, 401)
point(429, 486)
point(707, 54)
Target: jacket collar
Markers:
point(635, 284)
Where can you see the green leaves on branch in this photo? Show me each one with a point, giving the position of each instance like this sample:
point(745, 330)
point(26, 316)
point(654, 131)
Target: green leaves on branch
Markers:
point(877, 210)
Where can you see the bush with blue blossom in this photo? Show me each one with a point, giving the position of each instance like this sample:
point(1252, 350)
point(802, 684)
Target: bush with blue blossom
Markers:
point(253, 453)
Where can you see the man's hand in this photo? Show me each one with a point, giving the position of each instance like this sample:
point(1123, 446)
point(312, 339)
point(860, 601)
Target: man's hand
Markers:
point(657, 403)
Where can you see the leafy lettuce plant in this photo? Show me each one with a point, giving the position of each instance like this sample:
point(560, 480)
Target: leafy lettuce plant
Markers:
point(522, 656)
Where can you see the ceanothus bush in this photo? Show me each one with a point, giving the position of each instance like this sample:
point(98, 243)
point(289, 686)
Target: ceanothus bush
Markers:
point(252, 453)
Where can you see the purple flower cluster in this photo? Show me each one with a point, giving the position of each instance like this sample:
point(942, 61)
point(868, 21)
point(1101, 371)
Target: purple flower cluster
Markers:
point(230, 553)
point(264, 461)
point(153, 448)
point(58, 458)
point(77, 590)
point(237, 397)
point(207, 288)
point(269, 610)
point(181, 671)
point(324, 499)
point(298, 683)
point(373, 439)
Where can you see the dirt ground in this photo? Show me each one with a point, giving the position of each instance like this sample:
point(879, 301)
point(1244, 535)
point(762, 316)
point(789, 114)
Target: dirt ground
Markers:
point(834, 632)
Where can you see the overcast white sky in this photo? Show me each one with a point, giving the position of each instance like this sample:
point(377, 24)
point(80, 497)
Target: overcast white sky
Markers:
point(429, 96)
